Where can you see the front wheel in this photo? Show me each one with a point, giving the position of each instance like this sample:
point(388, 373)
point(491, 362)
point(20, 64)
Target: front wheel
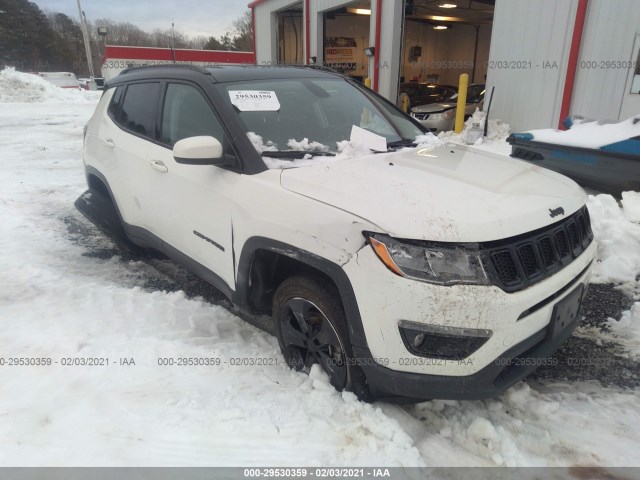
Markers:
point(311, 328)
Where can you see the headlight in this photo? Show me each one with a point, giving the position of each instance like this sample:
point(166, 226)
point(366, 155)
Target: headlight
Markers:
point(429, 262)
point(442, 115)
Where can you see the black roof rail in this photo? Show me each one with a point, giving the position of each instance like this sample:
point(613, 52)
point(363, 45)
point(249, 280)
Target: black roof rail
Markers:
point(313, 66)
point(195, 68)
point(324, 68)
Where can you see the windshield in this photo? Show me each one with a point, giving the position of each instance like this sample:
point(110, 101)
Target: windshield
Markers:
point(475, 94)
point(312, 114)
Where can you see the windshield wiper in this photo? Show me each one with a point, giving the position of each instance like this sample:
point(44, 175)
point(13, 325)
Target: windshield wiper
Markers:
point(405, 142)
point(294, 154)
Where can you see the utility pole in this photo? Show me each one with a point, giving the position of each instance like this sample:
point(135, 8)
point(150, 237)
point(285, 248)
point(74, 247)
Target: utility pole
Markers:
point(173, 41)
point(85, 35)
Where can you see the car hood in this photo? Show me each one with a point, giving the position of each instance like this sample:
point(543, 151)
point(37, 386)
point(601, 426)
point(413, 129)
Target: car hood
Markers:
point(449, 194)
point(433, 107)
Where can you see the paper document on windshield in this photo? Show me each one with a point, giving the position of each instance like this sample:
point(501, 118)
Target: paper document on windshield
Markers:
point(255, 100)
point(365, 138)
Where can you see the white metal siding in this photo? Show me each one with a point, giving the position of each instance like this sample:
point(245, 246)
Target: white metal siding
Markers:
point(536, 32)
point(610, 31)
point(390, 47)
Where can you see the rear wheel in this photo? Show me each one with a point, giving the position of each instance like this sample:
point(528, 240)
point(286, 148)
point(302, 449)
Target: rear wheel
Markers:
point(311, 328)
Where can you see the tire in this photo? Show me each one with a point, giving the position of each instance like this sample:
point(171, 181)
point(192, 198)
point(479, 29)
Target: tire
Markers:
point(311, 327)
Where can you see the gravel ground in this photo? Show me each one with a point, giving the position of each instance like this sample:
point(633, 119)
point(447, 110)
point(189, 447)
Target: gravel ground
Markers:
point(603, 302)
point(583, 358)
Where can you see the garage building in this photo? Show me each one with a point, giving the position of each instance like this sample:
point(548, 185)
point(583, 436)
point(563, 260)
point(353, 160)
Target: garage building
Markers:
point(546, 58)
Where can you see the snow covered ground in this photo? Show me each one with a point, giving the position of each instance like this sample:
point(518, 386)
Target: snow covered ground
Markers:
point(67, 293)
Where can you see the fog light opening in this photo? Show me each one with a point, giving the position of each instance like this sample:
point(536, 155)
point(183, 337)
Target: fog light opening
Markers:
point(448, 343)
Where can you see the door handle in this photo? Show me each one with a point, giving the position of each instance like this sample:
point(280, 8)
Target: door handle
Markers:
point(159, 166)
point(109, 143)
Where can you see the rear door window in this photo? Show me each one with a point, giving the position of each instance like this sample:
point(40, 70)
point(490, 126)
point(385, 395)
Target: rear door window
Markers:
point(115, 107)
point(137, 111)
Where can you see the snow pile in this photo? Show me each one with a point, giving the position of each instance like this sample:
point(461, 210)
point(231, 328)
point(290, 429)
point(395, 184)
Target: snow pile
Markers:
point(618, 241)
point(524, 427)
point(18, 87)
point(627, 329)
point(293, 144)
point(306, 145)
point(590, 134)
point(497, 133)
point(345, 150)
point(428, 140)
point(259, 145)
point(631, 205)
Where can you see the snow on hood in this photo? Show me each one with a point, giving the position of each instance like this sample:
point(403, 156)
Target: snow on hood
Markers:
point(18, 87)
point(305, 144)
point(590, 134)
point(258, 143)
point(345, 150)
point(449, 193)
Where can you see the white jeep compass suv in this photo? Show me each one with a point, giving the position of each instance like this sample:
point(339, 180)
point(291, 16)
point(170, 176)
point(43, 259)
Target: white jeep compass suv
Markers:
point(405, 271)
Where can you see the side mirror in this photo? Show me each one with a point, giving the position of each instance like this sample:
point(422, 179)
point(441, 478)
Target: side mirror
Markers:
point(203, 150)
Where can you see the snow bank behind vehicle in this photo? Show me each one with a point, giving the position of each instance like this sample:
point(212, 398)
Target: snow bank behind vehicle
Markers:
point(495, 141)
point(627, 329)
point(618, 240)
point(19, 87)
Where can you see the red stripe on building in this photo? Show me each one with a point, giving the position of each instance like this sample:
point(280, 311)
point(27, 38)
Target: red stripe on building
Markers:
point(376, 53)
point(253, 30)
point(572, 64)
point(181, 55)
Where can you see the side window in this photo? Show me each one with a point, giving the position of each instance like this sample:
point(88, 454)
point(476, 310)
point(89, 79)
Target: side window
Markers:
point(138, 108)
point(115, 107)
point(187, 114)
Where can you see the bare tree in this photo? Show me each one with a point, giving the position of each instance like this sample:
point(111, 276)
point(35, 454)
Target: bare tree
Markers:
point(243, 32)
point(198, 42)
point(125, 33)
point(240, 37)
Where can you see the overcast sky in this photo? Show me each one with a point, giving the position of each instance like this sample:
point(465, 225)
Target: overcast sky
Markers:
point(193, 17)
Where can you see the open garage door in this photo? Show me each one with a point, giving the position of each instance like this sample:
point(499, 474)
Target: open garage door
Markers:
point(441, 40)
point(290, 40)
point(346, 36)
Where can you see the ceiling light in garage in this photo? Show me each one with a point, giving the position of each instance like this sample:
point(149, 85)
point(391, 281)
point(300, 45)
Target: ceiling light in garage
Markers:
point(359, 11)
point(440, 27)
point(448, 5)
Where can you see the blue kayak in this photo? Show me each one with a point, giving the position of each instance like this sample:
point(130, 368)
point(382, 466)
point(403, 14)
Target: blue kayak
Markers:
point(612, 168)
